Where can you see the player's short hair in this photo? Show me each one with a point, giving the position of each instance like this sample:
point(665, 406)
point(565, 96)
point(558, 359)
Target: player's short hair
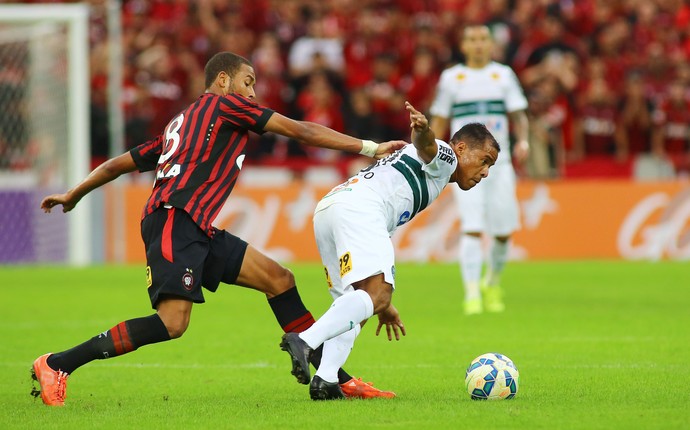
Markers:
point(475, 135)
point(223, 62)
point(463, 34)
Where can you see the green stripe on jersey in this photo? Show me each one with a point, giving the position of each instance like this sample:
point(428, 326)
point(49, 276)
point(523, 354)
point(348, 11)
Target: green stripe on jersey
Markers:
point(411, 169)
point(411, 181)
point(483, 107)
point(416, 168)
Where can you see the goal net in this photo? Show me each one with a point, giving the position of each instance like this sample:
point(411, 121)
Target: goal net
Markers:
point(44, 120)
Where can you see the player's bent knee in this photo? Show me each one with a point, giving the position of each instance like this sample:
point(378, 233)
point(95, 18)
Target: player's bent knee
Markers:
point(286, 279)
point(278, 280)
point(175, 315)
point(175, 326)
point(176, 332)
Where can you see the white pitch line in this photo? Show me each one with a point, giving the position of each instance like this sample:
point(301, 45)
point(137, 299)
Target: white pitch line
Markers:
point(266, 365)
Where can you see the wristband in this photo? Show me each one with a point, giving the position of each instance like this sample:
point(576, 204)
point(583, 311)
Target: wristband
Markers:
point(369, 148)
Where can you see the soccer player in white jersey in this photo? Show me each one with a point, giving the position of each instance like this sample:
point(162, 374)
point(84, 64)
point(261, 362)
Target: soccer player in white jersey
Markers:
point(353, 224)
point(484, 91)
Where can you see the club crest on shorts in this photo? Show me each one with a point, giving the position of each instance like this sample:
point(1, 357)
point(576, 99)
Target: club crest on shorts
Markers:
point(149, 278)
point(188, 280)
point(345, 264)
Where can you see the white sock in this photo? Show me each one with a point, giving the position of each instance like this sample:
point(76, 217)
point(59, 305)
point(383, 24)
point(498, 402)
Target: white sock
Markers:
point(497, 261)
point(471, 260)
point(335, 353)
point(344, 314)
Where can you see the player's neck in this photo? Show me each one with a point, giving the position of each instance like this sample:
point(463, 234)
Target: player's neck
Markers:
point(476, 64)
point(214, 89)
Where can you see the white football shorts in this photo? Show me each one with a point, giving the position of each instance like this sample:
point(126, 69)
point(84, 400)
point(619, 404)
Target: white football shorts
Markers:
point(354, 244)
point(490, 206)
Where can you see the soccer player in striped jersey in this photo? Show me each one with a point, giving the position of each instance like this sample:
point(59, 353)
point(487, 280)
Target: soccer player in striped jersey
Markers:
point(488, 92)
point(197, 160)
point(353, 225)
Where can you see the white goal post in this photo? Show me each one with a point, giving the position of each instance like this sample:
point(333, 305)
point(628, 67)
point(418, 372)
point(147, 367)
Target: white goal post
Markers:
point(75, 19)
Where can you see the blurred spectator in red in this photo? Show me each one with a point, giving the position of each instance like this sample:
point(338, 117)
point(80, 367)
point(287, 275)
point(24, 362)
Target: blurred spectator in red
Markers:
point(610, 46)
point(360, 48)
point(396, 118)
point(595, 123)
point(506, 33)
point(165, 14)
point(137, 109)
point(285, 19)
point(555, 56)
point(360, 119)
point(321, 41)
point(539, 163)
point(584, 17)
point(320, 103)
point(99, 130)
point(271, 89)
point(419, 83)
point(383, 90)
point(657, 71)
point(546, 118)
point(683, 76)
point(645, 16)
point(550, 44)
point(384, 82)
point(633, 128)
point(671, 136)
point(225, 26)
point(164, 85)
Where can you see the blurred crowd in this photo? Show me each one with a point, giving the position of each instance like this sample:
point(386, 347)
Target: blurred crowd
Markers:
point(608, 81)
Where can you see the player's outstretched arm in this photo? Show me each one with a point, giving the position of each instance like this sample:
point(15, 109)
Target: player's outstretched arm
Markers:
point(101, 175)
point(423, 137)
point(314, 134)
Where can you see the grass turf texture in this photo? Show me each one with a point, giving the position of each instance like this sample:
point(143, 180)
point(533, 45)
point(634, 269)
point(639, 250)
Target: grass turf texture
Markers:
point(598, 345)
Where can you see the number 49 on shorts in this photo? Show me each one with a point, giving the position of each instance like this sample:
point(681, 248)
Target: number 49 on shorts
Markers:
point(345, 264)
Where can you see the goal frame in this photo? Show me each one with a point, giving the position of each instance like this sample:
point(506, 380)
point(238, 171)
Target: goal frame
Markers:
point(76, 17)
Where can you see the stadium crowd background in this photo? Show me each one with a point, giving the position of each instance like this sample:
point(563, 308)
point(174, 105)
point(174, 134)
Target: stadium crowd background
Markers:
point(608, 80)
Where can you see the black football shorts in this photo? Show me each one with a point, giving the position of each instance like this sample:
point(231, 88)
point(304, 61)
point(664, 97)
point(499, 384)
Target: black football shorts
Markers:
point(181, 258)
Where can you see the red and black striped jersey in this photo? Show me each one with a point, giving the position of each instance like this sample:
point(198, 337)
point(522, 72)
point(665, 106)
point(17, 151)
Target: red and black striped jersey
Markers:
point(199, 155)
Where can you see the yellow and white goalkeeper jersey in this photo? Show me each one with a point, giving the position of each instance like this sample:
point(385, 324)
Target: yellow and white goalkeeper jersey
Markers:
point(401, 184)
point(486, 95)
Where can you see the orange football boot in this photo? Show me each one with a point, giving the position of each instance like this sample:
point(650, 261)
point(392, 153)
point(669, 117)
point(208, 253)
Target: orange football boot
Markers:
point(355, 388)
point(52, 383)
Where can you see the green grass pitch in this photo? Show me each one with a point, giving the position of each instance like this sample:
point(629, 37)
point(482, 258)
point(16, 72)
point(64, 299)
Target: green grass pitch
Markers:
point(599, 345)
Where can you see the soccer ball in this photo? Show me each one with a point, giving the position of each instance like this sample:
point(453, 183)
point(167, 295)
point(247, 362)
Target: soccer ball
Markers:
point(492, 376)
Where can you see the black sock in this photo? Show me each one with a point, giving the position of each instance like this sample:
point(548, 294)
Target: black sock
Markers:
point(293, 316)
point(290, 312)
point(121, 339)
point(315, 360)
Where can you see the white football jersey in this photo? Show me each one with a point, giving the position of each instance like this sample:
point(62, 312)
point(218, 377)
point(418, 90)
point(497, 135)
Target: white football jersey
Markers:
point(484, 95)
point(401, 184)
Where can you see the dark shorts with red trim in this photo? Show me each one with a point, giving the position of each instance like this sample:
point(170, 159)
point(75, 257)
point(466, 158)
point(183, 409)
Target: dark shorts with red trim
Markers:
point(181, 258)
